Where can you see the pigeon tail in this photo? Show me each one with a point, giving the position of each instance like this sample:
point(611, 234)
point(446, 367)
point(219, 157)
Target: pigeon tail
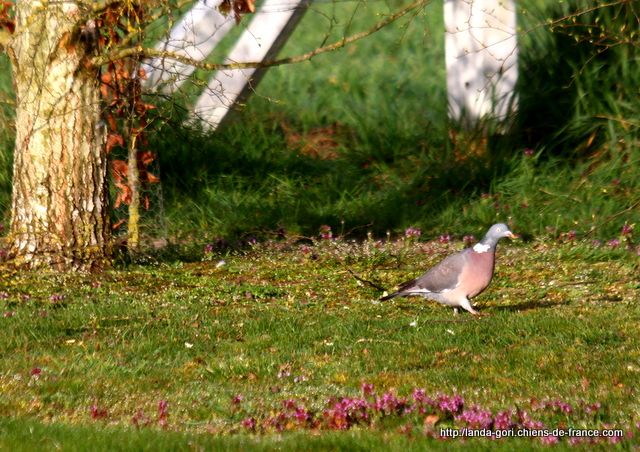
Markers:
point(390, 296)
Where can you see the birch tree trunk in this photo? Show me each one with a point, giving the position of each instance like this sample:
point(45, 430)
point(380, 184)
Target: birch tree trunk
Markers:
point(60, 198)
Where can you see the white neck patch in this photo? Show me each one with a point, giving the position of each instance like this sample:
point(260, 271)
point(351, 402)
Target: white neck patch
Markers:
point(480, 248)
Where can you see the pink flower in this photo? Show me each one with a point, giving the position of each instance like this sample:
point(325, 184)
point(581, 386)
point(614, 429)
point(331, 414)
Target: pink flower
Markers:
point(419, 396)
point(549, 439)
point(367, 389)
point(97, 412)
point(450, 404)
point(325, 232)
point(592, 408)
point(469, 239)
point(56, 298)
point(163, 408)
point(528, 152)
point(163, 413)
point(614, 439)
point(476, 418)
point(390, 404)
point(557, 405)
point(249, 423)
point(345, 413)
point(140, 419)
point(289, 404)
point(412, 232)
point(301, 415)
point(502, 420)
point(614, 243)
point(444, 238)
point(627, 229)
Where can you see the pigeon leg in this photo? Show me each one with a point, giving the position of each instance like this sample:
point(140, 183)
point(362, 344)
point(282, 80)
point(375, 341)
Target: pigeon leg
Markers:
point(464, 304)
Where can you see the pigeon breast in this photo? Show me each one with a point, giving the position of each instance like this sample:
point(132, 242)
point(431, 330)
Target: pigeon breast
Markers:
point(477, 272)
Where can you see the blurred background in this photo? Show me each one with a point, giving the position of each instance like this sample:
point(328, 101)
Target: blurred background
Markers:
point(359, 139)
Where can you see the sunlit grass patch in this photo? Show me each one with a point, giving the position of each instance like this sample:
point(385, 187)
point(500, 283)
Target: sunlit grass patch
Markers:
point(286, 320)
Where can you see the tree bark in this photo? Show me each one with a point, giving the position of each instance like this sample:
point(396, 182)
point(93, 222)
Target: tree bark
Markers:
point(60, 197)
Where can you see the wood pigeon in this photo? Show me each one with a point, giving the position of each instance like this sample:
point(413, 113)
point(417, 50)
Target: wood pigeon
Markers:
point(460, 276)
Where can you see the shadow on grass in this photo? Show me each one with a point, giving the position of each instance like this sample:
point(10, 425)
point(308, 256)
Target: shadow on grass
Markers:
point(254, 180)
point(375, 172)
point(530, 305)
point(562, 67)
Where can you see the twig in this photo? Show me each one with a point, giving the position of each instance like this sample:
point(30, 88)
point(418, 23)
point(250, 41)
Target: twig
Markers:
point(635, 204)
point(142, 52)
point(366, 281)
point(624, 122)
point(572, 198)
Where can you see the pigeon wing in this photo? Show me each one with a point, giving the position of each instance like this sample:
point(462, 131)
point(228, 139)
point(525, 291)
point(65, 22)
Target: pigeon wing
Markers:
point(442, 277)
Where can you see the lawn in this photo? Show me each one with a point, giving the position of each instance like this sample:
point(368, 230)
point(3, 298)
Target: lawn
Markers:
point(279, 345)
point(250, 330)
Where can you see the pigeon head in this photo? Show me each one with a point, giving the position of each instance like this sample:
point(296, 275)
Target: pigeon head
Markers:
point(495, 233)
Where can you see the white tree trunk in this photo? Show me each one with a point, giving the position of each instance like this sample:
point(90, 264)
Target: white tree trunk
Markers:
point(266, 34)
point(481, 57)
point(60, 200)
point(194, 36)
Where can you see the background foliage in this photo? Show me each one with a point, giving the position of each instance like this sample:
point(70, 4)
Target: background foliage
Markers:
point(359, 139)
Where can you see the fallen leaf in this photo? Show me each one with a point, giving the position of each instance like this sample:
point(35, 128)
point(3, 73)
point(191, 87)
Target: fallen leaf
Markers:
point(431, 420)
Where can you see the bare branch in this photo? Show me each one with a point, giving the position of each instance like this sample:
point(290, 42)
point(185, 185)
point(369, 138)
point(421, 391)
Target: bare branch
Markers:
point(366, 281)
point(141, 53)
point(98, 7)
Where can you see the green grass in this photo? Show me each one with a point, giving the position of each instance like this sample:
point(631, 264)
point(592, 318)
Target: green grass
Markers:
point(377, 110)
point(396, 161)
point(564, 316)
point(24, 436)
point(561, 317)
point(248, 178)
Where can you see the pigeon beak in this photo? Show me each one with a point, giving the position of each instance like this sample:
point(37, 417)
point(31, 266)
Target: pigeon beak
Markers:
point(511, 235)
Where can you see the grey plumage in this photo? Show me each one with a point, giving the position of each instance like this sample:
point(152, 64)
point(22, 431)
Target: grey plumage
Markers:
point(459, 276)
